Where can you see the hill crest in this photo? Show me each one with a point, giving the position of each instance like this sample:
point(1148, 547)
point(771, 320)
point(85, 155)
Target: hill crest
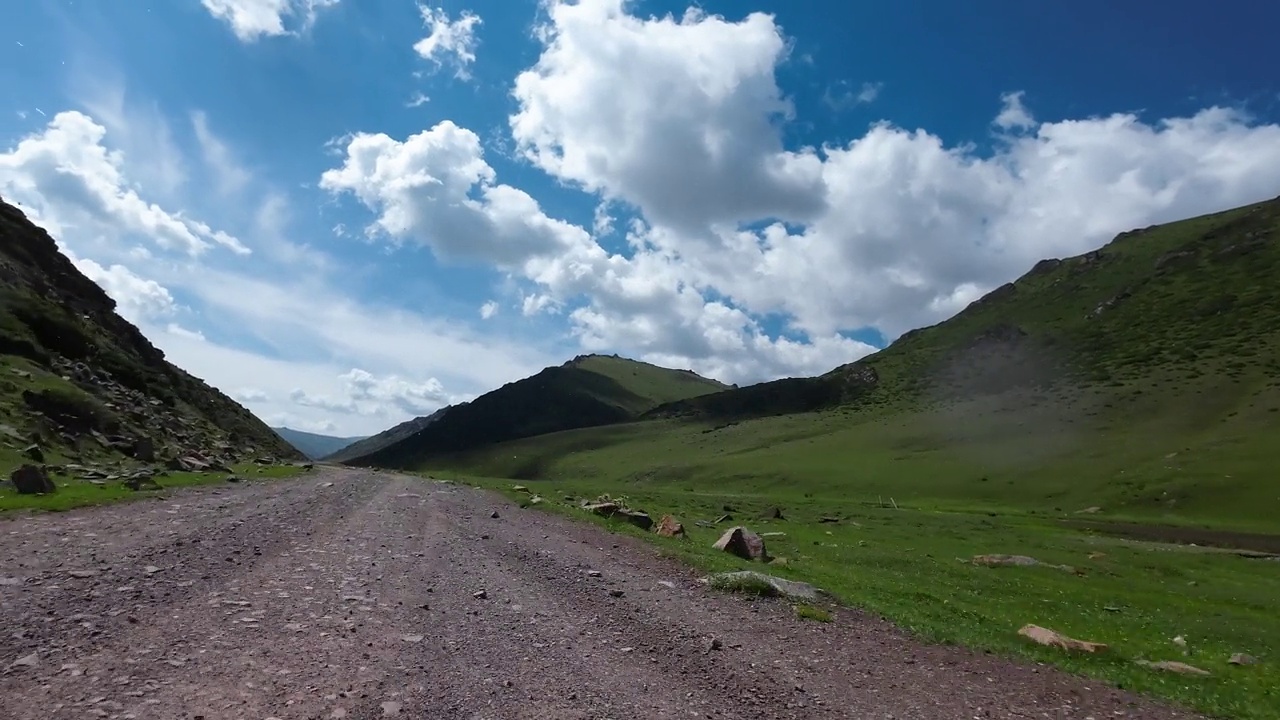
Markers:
point(587, 391)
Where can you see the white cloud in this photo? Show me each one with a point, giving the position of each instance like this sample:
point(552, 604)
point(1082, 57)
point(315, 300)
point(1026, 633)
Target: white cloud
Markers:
point(254, 19)
point(137, 299)
point(436, 188)
point(679, 118)
point(414, 398)
point(1013, 114)
point(250, 395)
point(309, 331)
point(488, 310)
point(895, 229)
point(449, 41)
point(68, 176)
point(869, 92)
point(231, 177)
point(417, 100)
point(843, 96)
point(675, 116)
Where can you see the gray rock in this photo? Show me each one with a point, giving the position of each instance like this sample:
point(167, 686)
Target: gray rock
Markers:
point(32, 480)
point(743, 543)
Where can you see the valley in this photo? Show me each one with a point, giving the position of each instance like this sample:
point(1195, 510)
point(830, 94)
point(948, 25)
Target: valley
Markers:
point(1107, 419)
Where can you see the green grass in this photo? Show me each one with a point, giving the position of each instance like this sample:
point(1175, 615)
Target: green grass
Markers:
point(811, 612)
point(1051, 460)
point(906, 565)
point(74, 493)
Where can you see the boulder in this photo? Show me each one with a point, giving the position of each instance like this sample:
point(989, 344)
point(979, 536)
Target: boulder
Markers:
point(32, 480)
point(144, 449)
point(603, 509)
point(141, 481)
point(639, 518)
point(743, 543)
point(187, 463)
point(669, 527)
point(33, 452)
point(773, 513)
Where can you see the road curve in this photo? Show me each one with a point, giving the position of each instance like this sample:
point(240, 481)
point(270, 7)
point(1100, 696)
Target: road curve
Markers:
point(352, 594)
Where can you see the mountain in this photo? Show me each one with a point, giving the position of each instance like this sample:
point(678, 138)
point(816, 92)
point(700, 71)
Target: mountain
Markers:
point(313, 445)
point(80, 384)
point(1143, 376)
point(587, 391)
point(386, 438)
point(1187, 299)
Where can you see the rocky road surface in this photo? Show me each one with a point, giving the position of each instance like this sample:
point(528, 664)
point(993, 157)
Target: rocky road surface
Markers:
point(351, 594)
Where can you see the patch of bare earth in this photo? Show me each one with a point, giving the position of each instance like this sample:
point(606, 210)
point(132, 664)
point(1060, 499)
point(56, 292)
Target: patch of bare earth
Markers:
point(361, 595)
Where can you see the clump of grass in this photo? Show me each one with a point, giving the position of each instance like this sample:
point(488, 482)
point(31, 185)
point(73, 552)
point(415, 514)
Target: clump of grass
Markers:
point(810, 612)
point(742, 585)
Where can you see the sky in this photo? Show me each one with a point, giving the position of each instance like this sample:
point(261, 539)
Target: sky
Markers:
point(346, 213)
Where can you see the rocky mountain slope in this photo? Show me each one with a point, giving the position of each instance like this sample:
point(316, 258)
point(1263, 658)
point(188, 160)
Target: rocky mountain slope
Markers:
point(81, 387)
point(588, 391)
point(314, 445)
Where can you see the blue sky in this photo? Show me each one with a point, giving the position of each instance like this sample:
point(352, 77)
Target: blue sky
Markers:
point(346, 213)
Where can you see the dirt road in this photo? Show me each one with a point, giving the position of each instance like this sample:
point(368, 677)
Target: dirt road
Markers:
point(349, 594)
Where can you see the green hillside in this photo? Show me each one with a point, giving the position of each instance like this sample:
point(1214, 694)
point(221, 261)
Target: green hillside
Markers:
point(588, 391)
point(1143, 377)
point(1114, 412)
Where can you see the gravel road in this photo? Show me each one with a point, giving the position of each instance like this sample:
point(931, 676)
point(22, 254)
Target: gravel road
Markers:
point(351, 594)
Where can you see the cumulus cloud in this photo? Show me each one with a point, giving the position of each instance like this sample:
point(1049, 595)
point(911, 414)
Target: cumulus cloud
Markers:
point(676, 116)
point(253, 19)
point(679, 118)
point(436, 188)
point(250, 395)
point(67, 175)
point(137, 299)
point(449, 42)
point(488, 310)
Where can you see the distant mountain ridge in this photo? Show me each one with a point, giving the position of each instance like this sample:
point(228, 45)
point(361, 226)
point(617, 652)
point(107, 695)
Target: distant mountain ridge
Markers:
point(386, 438)
point(314, 445)
point(586, 391)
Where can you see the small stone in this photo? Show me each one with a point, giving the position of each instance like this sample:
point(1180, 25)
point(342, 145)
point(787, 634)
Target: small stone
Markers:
point(1243, 659)
point(31, 660)
point(714, 644)
point(480, 594)
point(412, 638)
point(616, 593)
point(594, 573)
point(82, 573)
point(494, 514)
point(391, 709)
point(151, 569)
